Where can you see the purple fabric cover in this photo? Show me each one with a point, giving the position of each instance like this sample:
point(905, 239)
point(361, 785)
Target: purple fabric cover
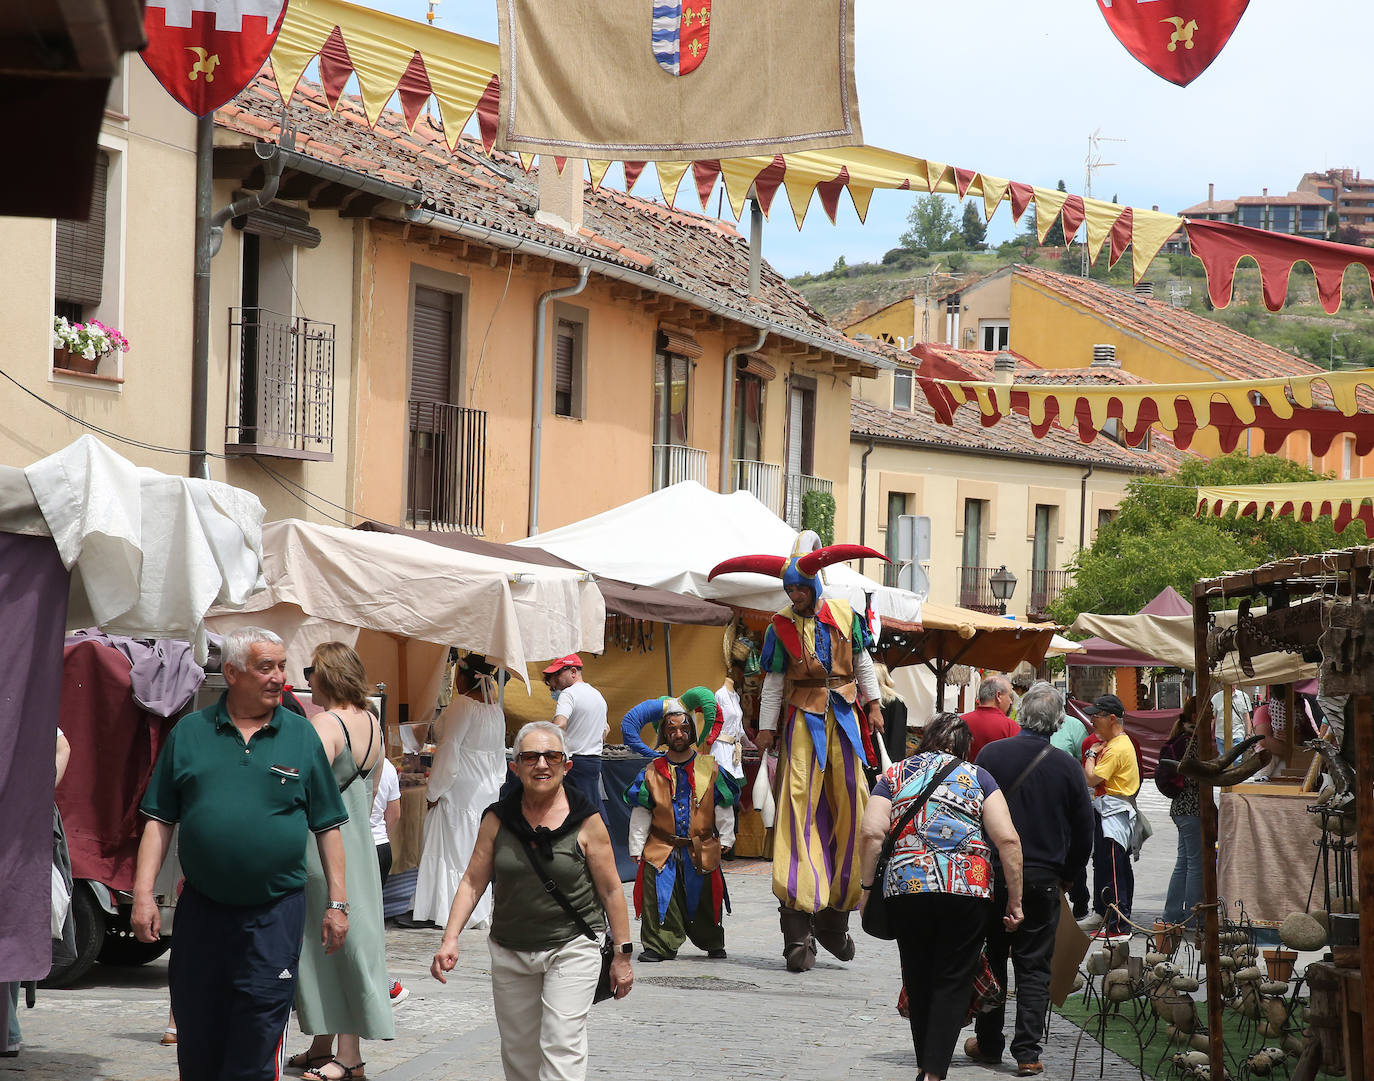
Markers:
point(33, 614)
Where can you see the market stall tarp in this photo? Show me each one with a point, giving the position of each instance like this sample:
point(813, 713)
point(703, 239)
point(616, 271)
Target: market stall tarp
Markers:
point(1344, 501)
point(670, 539)
point(953, 635)
point(622, 598)
point(323, 580)
point(1267, 852)
point(1104, 653)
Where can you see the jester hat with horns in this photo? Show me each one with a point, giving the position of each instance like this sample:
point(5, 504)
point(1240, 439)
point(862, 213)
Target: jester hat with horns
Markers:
point(803, 567)
point(656, 710)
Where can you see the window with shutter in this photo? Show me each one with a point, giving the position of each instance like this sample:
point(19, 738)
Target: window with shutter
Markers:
point(565, 369)
point(431, 350)
point(80, 270)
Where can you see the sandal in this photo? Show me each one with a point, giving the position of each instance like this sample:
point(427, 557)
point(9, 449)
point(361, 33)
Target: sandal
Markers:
point(169, 1036)
point(304, 1060)
point(350, 1073)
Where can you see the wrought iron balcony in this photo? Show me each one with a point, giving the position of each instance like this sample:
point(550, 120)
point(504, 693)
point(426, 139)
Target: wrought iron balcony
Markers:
point(975, 589)
point(282, 386)
point(798, 484)
point(1045, 587)
point(674, 463)
point(446, 482)
point(762, 480)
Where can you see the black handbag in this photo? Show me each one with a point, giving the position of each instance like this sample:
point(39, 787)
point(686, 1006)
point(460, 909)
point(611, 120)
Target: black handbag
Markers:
point(603, 981)
point(876, 919)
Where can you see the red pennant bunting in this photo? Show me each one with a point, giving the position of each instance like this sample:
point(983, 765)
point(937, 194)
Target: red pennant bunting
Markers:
point(559, 163)
point(414, 89)
point(1177, 43)
point(204, 58)
point(632, 171)
point(335, 68)
point(829, 192)
point(705, 174)
point(962, 179)
point(768, 181)
point(1071, 216)
point(1220, 245)
point(1120, 237)
point(489, 113)
point(1021, 196)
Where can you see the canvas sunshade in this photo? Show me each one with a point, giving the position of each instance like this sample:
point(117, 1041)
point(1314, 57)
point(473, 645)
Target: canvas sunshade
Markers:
point(1344, 501)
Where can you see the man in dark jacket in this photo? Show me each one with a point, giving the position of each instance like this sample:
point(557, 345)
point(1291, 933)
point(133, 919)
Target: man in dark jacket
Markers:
point(1052, 813)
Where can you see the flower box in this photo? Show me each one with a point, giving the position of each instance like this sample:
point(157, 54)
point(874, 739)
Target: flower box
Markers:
point(65, 360)
point(79, 347)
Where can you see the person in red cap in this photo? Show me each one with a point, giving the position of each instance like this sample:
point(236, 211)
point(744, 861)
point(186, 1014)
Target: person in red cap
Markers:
point(581, 712)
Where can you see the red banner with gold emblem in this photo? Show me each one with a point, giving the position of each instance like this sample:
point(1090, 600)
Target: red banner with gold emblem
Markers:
point(205, 51)
point(1176, 39)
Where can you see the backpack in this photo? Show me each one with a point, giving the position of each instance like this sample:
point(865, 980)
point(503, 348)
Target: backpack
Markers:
point(1168, 780)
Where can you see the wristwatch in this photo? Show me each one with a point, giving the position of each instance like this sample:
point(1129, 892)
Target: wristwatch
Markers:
point(339, 906)
point(625, 947)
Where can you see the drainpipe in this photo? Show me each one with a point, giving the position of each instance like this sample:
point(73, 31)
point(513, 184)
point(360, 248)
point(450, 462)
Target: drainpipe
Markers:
point(727, 415)
point(863, 500)
point(537, 407)
point(209, 234)
point(1083, 508)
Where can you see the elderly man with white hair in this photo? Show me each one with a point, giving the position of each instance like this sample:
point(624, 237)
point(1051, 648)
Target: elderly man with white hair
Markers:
point(1051, 811)
point(249, 782)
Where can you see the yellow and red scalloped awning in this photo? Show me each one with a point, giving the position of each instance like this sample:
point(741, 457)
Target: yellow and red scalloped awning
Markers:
point(1325, 405)
point(1344, 501)
point(391, 55)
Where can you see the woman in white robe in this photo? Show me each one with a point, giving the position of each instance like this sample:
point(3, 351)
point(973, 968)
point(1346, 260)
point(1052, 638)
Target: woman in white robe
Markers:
point(464, 780)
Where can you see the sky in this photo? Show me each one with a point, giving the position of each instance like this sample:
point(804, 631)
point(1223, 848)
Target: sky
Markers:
point(1015, 89)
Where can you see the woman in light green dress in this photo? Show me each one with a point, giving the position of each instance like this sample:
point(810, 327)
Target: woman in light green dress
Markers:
point(345, 992)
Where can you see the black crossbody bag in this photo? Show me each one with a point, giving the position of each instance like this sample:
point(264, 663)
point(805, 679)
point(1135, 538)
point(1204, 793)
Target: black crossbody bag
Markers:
point(603, 982)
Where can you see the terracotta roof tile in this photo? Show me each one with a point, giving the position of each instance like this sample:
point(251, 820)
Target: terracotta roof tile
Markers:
point(706, 257)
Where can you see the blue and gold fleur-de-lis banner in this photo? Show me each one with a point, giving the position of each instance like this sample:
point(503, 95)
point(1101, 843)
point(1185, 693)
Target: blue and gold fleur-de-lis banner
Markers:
point(676, 80)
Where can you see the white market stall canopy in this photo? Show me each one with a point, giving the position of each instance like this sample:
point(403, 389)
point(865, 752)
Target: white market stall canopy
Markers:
point(149, 553)
point(670, 539)
point(324, 582)
point(1170, 640)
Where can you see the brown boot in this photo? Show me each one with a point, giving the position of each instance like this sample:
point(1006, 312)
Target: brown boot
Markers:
point(798, 945)
point(832, 932)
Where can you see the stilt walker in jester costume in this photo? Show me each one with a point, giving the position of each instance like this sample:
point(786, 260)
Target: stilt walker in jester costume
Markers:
point(815, 660)
point(681, 801)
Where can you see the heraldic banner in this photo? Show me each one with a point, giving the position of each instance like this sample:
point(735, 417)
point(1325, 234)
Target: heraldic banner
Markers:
point(676, 80)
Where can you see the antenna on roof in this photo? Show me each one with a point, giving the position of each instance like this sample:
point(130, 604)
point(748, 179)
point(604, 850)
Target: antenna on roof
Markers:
point(1091, 164)
point(431, 14)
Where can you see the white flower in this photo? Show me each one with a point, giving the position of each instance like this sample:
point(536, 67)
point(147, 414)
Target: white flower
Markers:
point(89, 352)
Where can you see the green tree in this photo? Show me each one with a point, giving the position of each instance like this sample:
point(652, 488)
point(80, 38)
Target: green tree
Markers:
point(932, 221)
point(1156, 541)
point(972, 228)
point(1054, 238)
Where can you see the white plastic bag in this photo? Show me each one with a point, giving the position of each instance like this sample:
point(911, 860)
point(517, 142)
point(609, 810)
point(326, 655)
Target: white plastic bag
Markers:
point(762, 794)
point(61, 901)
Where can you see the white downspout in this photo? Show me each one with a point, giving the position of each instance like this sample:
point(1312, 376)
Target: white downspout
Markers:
point(537, 407)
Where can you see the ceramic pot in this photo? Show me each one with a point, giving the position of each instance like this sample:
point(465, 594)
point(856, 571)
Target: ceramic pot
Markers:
point(65, 359)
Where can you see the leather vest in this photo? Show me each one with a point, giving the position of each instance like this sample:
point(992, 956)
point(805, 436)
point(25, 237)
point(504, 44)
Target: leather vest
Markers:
point(702, 839)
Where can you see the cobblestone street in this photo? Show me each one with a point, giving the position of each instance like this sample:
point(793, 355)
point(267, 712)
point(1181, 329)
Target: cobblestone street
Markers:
point(745, 1017)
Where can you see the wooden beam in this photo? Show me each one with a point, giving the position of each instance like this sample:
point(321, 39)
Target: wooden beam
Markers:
point(295, 186)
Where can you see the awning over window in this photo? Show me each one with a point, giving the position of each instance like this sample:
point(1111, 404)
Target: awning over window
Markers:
point(1326, 404)
point(1344, 501)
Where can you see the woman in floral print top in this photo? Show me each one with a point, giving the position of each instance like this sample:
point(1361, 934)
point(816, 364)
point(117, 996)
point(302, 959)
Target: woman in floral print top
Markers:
point(938, 882)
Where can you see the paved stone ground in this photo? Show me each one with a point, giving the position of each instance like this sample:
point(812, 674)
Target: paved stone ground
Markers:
point(745, 1017)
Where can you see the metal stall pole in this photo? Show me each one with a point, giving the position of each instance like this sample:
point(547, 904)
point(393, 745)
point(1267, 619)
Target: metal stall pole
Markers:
point(1206, 747)
point(668, 654)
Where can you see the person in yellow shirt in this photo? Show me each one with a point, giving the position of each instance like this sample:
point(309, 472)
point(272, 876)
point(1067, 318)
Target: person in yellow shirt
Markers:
point(1112, 772)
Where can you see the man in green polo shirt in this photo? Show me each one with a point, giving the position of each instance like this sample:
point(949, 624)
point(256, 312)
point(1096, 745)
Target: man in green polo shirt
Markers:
point(248, 781)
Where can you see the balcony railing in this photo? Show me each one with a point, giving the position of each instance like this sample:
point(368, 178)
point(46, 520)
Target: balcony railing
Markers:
point(975, 589)
point(1045, 587)
point(762, 480)
point(798, 484)
point(283, 376)
point(674, 463)
point(447, 478)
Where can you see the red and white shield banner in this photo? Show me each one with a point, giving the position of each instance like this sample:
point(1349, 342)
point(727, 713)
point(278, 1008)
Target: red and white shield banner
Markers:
point(205, 51)
point(1176, 39)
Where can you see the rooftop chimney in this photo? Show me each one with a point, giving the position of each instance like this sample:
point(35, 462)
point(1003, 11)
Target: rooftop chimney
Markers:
point(1211, 192)
point(1264, 192)
point(1004, 368)
point(560, 196)
point(1104, 356)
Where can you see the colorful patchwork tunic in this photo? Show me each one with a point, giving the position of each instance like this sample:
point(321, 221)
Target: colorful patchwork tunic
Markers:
point(821, 787)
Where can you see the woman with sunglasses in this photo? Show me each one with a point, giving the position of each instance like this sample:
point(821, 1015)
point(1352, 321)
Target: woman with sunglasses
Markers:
point(544, 943)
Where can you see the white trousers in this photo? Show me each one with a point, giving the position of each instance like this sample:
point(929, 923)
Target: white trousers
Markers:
point(542, 1000)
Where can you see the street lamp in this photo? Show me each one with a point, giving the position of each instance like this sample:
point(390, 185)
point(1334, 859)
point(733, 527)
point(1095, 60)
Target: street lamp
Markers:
point(1003, 584)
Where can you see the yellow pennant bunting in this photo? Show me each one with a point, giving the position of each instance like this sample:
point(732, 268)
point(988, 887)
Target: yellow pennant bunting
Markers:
point(1150, 230)
point(1100, 217)
point(994, 191)
point(596, 173)
point(670, 174)
point(1048, 204)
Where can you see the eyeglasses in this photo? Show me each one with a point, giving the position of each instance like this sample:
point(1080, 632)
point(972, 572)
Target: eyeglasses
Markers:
point(529, 758)
point(308, 672)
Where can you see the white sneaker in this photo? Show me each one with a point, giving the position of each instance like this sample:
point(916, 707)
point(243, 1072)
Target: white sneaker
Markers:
point(398, 993)
point(1090, 922)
